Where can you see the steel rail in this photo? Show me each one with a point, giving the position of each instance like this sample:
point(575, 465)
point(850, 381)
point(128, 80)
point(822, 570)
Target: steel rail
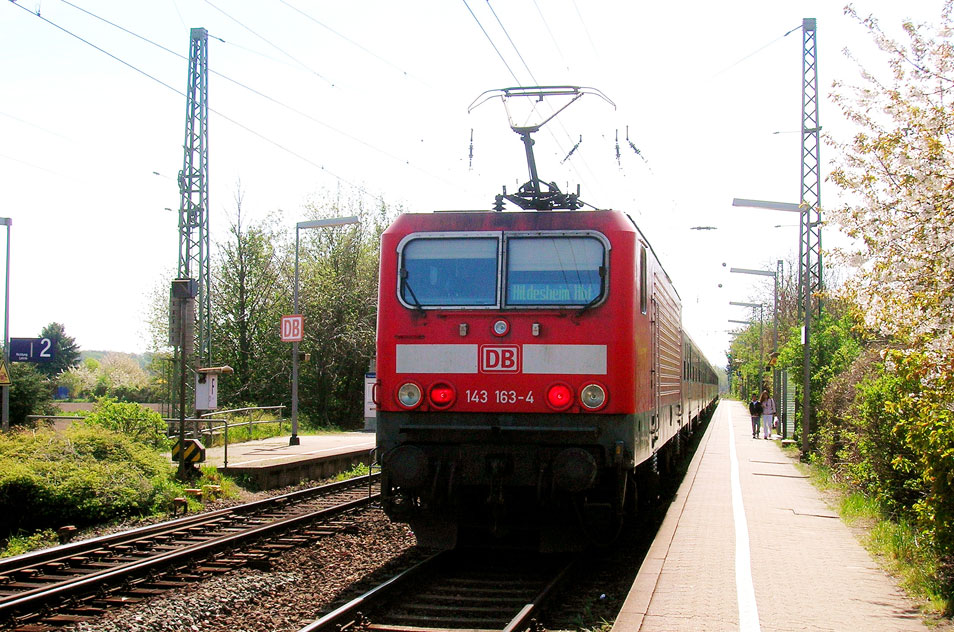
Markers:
point(532, 610)
point(30, 598)
point(342, 617)
point(66, 551)
point(349, 611)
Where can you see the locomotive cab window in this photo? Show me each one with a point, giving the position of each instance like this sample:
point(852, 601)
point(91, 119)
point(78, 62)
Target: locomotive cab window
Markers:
point(558, 270)
point(449, 272)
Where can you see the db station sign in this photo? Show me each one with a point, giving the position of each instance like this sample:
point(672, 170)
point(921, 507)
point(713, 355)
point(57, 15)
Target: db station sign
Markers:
point(293, 328)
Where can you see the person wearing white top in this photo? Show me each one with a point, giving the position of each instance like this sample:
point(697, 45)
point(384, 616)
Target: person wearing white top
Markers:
point(768, 414)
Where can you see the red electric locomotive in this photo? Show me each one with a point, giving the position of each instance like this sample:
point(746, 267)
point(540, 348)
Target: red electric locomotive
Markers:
point(529, 366)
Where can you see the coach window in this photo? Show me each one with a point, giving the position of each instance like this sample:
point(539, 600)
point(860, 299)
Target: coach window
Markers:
point(550, 271)
point(449, 272)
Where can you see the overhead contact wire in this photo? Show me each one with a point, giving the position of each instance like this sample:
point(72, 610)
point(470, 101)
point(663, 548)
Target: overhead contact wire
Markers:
point(487, 35)
point(755, 52)
point(349, 40)
point(253, 91)
point(525, 65)
point(182, 94)
point(273, 45)
point(510, 39)
point(550, 32)
point(105, 52)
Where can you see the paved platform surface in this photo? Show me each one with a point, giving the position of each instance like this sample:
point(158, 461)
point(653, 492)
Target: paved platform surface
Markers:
point(748, 544)
point(276, 451)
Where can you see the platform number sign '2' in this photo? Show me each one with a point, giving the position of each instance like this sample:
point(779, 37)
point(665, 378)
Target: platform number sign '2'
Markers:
point(31, 350)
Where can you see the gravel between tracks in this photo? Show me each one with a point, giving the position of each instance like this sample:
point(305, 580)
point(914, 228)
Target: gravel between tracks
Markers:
point(304, 583)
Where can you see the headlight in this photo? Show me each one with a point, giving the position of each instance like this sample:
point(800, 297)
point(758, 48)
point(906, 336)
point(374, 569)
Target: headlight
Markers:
point(409, 395)
point(592, 397)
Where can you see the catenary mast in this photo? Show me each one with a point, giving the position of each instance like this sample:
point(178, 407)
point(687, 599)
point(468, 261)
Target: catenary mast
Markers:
point(809, 245)
point(810, 224)
point(194, 192)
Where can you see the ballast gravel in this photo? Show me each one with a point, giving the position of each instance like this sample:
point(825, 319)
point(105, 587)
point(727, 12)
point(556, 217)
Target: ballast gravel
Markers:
point(305, 583)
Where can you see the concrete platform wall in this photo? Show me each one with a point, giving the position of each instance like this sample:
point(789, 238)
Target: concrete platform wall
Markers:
point(285, 474)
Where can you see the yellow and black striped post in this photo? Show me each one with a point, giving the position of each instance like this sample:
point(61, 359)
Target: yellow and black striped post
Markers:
point(194, 452)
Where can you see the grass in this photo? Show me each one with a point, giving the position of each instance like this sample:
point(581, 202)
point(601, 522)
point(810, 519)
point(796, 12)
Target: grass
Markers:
point(360, 469)
point(240, 431)
point(19, 544)
point(916, 566)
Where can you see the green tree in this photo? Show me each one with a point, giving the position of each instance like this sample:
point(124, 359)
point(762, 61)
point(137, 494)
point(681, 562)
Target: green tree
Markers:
point(253, 273)
point(250, 293)
point(65, 351)
point(747, 362)
point(338, 298)
point(30, 394)
point(835, 343)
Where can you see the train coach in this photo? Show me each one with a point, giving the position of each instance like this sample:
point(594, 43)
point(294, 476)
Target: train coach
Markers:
point(532, 374)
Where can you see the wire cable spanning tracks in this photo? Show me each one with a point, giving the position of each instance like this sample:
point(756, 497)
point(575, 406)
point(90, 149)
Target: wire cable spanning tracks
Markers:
point(476, 590)
point(84, 574)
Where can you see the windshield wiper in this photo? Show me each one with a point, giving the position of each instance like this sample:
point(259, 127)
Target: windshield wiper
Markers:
point(407, 286)
point(599, 295)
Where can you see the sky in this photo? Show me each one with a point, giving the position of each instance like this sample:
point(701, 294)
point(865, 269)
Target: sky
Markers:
point(308, 98)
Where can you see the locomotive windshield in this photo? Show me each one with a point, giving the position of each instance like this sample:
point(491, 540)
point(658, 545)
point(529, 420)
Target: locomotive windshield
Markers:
point(554, 270)
point(449, 271)
point(540, 270)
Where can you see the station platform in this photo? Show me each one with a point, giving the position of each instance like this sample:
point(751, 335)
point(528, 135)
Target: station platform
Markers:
point(749, 544)
point(272, 463)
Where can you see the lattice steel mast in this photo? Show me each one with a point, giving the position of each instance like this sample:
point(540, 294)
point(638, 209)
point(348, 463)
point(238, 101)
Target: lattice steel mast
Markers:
point(194, 191)
point(809, 244)
point(810, 249)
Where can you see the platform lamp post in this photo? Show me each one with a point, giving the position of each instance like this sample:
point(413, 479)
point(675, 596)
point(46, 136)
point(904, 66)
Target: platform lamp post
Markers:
point(776, 276)
point(315, 223)
point(806, 282)
point(749, 322)
point(5, 405)
point(761, 309)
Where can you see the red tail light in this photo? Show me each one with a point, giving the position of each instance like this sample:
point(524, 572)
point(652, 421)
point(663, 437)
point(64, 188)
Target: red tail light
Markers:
point(442, 395)
point(559, 396)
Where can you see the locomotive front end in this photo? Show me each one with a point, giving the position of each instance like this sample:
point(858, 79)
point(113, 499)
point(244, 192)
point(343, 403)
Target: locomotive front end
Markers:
point(505, 381)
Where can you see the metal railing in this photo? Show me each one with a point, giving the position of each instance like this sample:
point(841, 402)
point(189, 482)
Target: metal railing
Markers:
point(224, 428)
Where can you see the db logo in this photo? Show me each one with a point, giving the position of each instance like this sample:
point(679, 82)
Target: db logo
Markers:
point(499, 359)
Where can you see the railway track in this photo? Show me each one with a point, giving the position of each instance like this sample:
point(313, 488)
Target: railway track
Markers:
point(454, 590)
point(75, 582)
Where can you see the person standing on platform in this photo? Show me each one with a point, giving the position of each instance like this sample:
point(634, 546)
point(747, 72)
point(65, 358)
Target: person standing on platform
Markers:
point(768, 414)
point(755, 412)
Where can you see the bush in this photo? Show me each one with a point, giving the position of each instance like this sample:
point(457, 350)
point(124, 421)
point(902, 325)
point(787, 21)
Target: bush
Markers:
point(887, 429)
point(30, 393)
point(927, 408)
point(835, 343)
point(83, 476)
point(132, 420)
point(858, 438)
